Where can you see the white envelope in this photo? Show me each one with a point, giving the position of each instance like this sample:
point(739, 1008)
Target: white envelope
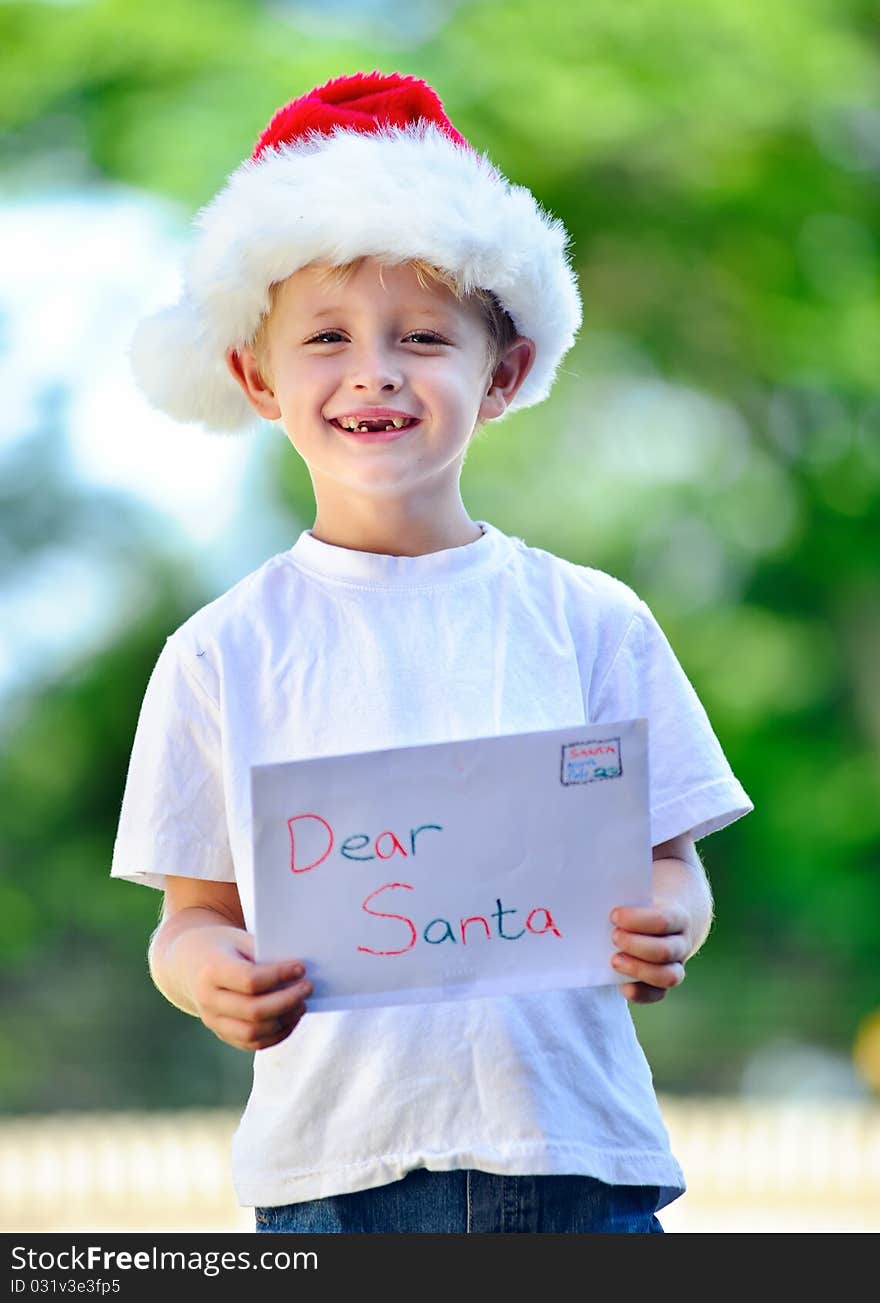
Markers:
point(458, 869)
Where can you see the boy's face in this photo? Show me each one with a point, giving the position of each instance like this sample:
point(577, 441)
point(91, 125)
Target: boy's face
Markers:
point(339, 351)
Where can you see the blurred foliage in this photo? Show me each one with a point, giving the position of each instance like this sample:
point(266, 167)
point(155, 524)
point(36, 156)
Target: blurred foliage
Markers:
point(81, 1025)
point(713, 439)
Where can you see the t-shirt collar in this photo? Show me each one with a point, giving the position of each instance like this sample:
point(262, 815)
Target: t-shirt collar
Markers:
point(375, 570)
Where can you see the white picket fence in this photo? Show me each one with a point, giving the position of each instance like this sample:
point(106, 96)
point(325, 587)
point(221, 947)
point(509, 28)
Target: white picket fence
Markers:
point(750, 1167)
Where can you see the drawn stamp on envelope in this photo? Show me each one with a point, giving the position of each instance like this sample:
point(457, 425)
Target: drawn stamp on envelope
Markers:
point(585, 762)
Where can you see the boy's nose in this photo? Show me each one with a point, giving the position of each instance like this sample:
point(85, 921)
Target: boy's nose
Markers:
point(375, 371)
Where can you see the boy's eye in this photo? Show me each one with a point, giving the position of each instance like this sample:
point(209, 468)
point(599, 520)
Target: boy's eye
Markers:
point(425, 337)
point(418, 336)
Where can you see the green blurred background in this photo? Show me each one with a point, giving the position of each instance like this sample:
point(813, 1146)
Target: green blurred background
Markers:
point(713, 440)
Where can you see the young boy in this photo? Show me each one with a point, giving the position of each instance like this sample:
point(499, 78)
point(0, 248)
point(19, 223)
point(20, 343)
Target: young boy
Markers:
point(373, 284)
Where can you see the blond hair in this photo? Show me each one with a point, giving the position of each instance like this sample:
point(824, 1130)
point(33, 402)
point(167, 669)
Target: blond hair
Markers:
point(500, 329)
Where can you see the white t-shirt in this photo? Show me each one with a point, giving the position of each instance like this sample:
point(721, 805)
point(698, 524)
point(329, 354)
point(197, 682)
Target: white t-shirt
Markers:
point(324, 650)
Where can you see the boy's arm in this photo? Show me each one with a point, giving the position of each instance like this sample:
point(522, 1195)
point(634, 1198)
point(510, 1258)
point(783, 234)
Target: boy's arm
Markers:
point(201, 959)
point(655, 942)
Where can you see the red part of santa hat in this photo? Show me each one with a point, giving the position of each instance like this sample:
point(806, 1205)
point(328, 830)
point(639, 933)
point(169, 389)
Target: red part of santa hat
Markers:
point(365, 165)
point(365, 101)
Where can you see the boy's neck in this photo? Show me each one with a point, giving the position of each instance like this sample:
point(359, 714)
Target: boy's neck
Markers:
point(396, 532)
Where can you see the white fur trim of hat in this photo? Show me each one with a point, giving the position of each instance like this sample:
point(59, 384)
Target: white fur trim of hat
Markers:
point(366, 165)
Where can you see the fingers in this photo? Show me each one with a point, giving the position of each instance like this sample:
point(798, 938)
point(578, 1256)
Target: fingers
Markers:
point(652, 949)
point(652, 920)
point(245, 1035)
point(249, 1005)
point(641, 993)
point(653, 962)
point(232, 973)
point(262, 1010)
point(658, 975)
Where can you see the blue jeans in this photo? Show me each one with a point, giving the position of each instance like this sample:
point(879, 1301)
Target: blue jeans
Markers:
point(474, 1203)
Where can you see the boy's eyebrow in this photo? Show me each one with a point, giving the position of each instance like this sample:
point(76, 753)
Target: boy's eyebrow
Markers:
point(411, 309)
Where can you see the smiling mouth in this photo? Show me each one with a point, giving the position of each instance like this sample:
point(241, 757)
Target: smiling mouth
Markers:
point(380, 426)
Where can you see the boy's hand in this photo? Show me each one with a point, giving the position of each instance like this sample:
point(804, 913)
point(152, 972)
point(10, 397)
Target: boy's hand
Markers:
point(653, 944)
point(249, 1005)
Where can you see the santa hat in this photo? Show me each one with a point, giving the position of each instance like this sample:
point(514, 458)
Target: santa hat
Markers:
point(364, 165)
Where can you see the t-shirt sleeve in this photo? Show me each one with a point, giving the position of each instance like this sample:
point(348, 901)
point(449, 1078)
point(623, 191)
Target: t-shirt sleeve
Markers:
point(173, 815)
point(693, 789)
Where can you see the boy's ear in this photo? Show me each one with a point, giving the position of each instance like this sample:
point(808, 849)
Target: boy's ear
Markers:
point(245, 368)
point(507, 377)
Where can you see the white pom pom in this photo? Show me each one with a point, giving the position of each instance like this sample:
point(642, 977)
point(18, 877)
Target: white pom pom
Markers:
point(181, 375)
